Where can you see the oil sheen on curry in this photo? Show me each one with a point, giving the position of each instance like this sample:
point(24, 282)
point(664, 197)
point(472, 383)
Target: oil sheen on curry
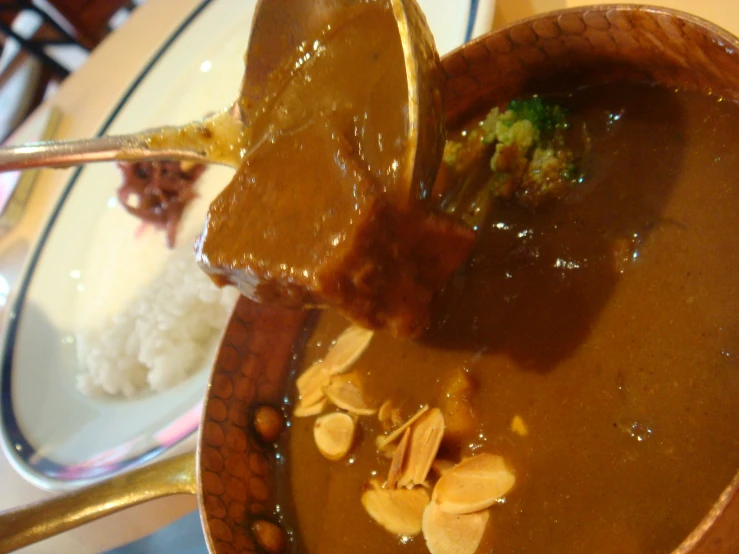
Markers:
point(576, 390)
point(319, 214)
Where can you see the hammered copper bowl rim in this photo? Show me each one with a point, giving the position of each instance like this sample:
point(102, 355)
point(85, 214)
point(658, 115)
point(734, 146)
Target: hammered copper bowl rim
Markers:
point(233, 474)
point(625, 7)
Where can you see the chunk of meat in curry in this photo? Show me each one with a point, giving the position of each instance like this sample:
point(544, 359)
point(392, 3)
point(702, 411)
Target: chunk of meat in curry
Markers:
point(317, 214)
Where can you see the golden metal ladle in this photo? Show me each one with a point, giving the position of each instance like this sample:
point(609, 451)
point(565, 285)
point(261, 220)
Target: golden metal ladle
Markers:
point(278, 27)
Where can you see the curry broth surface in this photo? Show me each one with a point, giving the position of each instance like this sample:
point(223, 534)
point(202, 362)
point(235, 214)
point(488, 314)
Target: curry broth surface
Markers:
point(607, 322)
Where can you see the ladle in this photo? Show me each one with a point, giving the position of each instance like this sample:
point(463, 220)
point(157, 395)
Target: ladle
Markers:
point(279, 27)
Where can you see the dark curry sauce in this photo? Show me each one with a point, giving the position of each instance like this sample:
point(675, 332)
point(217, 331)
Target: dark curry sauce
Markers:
point(606, 323)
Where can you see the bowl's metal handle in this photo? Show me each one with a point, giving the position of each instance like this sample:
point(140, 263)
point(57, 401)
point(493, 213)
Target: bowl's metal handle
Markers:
point(41, 520)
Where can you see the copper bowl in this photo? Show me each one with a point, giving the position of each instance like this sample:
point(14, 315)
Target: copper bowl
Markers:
point(235, 480)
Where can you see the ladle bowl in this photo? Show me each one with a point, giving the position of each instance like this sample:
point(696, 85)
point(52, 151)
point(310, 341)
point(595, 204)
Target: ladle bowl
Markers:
point(279, 27)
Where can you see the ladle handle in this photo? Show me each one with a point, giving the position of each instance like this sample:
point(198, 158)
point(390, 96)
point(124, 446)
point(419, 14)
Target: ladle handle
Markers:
point(66, 153)
point(217, 139)
point(44, 519)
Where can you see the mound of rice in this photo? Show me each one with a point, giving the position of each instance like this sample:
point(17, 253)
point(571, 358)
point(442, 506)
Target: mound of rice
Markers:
point(161, 337)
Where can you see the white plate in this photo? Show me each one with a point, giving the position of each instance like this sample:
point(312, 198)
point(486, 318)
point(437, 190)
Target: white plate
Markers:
point(53, 435)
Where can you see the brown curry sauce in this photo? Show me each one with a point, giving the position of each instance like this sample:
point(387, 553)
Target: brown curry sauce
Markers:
point(607, 323)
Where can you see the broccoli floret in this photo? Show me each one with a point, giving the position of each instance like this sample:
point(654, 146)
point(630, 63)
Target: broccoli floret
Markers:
point(527, 150)
point(546, 117)
point(452, 150)
point(489, 126)
point(460, 156)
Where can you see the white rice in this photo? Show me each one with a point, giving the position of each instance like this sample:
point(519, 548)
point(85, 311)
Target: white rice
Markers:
point(162, 335)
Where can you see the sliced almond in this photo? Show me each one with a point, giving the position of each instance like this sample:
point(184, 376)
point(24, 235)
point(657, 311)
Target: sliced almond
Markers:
point(385, 414)
point(384, 440)
point(399, 511)
point(399, 456)
point(344, 392)
point(453, 533)
point(426, 435)
point(518, 426)
point(334, 434)
point(347, 349)
point(310, 384)
point(473, 484)
point(301, 410)
point(389, 416)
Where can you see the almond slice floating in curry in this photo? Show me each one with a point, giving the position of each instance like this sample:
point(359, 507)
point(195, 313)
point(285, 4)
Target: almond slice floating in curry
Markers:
point(384, 440)
point(347, 349)
point(398, 460)
point(399, 511)
point(385, 414)
point(344, 392)
point(334, 434)
point(303, 410)
point(452, 533)
point(310, 385)
point(473, 484)
point(389, 416)
point(426, 434)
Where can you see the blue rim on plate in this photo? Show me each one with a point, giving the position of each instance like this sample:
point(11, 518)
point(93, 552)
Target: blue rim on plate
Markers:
point(471, 19)
point(23, 451)
point(18, 449)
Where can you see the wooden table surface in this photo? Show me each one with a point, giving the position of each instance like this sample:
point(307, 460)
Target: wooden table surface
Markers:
point(86, 100)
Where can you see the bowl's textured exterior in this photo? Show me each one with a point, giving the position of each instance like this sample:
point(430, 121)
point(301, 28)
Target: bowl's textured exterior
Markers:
point(578, 46)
